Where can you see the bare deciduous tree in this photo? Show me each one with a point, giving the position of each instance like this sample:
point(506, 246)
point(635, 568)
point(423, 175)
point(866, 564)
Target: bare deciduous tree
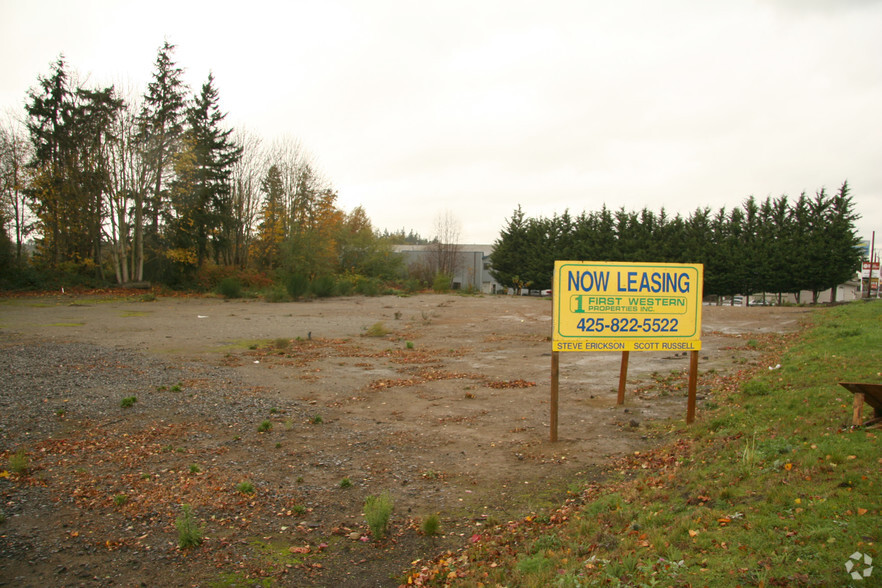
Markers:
point(444, 250)
point(14, 154)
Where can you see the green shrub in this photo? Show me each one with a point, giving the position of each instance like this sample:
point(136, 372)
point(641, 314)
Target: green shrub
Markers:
point(297, 285)
point(431, 525)
point(412, 285)
point(245, 487)
point(128, 401)
point(265, 427)
point(120, 499)
point(345, 286)
point(189, 532)
point(377, 510)
point(277, 294)
point(230, 288)
point(345, 483)
point(323, 286)
point(442, 283)
point(368, 287)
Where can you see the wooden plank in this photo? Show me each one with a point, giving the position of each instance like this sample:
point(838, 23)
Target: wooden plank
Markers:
point(856, 418)
point(555, 384)
point(864, 394)
point(693, 384)
point(623, 376)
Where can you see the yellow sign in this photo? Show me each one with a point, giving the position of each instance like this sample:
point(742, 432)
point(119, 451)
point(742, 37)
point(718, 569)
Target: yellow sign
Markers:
point(612, 306)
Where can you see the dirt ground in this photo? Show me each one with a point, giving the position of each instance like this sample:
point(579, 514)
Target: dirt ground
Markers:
point(440, 400)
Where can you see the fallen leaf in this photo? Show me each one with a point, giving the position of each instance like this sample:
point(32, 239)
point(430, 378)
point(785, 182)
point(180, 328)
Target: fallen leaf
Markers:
point(692, 533)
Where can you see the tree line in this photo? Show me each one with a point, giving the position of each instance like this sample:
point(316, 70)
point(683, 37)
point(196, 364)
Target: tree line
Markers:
point(157, 188)
point(776, 245)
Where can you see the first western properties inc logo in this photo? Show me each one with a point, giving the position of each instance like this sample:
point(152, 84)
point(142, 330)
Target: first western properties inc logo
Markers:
point(859, 566)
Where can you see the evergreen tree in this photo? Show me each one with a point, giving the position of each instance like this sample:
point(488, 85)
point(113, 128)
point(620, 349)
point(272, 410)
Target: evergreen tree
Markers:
point(70, 129)
point(161, 127)
point(272, 220)
point(203, 195)
point(841, 241)
point(510, 254)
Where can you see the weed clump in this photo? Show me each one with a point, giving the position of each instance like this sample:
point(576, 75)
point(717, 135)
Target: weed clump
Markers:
point(245, 487)
point(265, 427)
point(190, 533)
point(431, 525)
point(376, 330)
point(377, 510)
point(19, 463)
point(128, 402)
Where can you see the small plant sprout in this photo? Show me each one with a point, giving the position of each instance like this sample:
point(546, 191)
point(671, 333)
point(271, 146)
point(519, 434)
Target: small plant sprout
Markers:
point(377, 510)
point(128, 401)
point(431, 525)
point(189, 531)
point(264, 427)
point(194, 469)
point(345, 483)
point(316, 419)
point(120, 499)
point(409, 344)
point(245, 487)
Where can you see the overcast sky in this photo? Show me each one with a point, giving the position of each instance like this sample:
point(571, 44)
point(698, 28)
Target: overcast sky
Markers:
point(413, 109)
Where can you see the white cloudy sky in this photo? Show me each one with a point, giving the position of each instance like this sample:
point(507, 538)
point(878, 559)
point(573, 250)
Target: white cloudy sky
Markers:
point(418, 108)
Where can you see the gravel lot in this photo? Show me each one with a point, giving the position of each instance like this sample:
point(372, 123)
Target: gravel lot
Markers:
point(447, 410)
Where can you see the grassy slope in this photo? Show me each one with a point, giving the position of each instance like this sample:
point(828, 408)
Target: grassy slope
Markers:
point(772, 488)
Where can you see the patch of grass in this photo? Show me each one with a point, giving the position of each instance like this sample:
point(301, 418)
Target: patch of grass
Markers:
point(190, 532)
point(345, 483)
point(245, 488)
point(265, 426)
point(409, 344)
point(376, 330)
point(194, 469)
point(755, 388)
point(316, 419)
point(19, 462)
point(128, 402)
point(282, 343)
point(120, 499)
point(377, 511)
